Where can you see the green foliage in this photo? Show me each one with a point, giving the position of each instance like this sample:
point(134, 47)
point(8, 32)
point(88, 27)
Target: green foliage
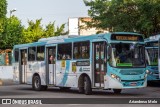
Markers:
point(3, 11)
point(12, 32)
point(36, 31)
point(50, 30)
point(60, 30)
point(125, 15)
point(3, 8)
point(33, 32)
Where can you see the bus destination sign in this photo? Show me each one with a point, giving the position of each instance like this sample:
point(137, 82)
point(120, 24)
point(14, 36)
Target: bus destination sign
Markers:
point(126, 37)
point(130, 38)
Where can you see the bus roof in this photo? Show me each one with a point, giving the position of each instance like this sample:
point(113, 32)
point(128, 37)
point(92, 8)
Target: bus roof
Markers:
point(30, 44)
point(71, 38)
point(152, 38)
point(105, 36)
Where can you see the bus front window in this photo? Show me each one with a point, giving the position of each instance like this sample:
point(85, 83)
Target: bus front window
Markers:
point(127, 55)
point(152, 56)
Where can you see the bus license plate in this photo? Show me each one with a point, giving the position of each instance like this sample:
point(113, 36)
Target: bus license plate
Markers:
point(133, 83)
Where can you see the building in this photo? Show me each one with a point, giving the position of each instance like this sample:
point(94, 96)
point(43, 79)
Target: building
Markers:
point(77, 26)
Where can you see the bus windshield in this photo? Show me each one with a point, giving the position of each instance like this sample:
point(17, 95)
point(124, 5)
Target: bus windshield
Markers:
point(127, 55)
point(152, 56)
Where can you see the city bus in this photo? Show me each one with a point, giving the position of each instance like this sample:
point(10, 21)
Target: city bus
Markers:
point(110, 61)
point(151, 46)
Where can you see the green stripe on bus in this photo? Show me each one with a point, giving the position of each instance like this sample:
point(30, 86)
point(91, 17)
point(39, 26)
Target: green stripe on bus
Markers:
point(124, 64)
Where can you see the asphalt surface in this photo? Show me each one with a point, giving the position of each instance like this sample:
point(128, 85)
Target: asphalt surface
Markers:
point(25, 91)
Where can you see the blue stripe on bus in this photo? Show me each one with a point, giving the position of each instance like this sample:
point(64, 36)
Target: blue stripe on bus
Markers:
point(65, 76)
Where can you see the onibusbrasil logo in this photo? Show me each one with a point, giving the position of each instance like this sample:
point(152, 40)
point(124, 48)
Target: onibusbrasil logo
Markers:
point(21, 101)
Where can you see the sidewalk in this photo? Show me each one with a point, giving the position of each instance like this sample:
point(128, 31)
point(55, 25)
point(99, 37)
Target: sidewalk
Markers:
point(6, 75)
point(5, 82)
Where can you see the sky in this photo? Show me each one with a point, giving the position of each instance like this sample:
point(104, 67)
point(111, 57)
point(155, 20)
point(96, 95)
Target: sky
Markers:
point(49, 10)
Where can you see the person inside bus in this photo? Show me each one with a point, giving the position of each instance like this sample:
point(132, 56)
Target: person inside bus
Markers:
point(123, 54)
point(51, 59)
point(67, 56)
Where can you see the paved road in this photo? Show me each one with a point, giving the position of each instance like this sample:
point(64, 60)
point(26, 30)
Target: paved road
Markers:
point(25, 91)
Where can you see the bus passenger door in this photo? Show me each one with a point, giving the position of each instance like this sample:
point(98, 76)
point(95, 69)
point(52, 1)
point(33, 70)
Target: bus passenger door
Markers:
point(99, 63)
point(23, 66)
point(50, 68)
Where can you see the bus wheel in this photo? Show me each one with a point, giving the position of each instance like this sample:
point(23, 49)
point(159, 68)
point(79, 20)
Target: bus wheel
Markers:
point(33, 85)
point(37, 83)
point(64, 88)
point(81, 90)
point(44, 87)
point(117, 91)
point(87, 86)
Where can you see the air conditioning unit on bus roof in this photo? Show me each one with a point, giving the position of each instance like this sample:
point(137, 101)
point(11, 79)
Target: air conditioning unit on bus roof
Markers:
point(57, 38)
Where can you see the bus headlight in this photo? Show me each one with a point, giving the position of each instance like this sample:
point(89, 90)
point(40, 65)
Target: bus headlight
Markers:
point(115, 77)
point(147, 71)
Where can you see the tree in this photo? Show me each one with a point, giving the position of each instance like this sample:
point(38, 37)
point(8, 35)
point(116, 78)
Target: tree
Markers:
point(3, 8)
point(3, 11)
point(50, 30)
point(149, 20)
point(12, 33)
point(125, 15)
point(60, 30)
point(36, 31)
point(33, 32)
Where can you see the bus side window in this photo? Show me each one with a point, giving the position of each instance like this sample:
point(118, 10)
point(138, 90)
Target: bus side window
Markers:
point(81, 50)
point(65, 51)
point(31, 54)
point(40, 53)
point(85, 50)
point(16, 55)
point(76, 51)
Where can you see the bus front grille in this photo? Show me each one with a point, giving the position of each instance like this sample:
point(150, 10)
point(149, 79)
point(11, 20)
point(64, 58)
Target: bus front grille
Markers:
point(131, 72)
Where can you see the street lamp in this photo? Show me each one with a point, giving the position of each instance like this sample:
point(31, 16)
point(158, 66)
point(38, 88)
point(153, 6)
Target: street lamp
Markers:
point(11, 11)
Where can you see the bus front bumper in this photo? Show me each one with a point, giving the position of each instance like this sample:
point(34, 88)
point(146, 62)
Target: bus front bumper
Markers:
point(111, 83)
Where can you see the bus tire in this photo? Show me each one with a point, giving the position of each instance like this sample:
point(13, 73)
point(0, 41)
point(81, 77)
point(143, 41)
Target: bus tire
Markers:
point(44, 87)
point(64, 88)
point(37, 83)
point(33, 85)
point(117, 91)
point(81, 90)
point(87, 86)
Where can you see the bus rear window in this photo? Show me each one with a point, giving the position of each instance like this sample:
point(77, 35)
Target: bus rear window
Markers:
point(64, 51)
